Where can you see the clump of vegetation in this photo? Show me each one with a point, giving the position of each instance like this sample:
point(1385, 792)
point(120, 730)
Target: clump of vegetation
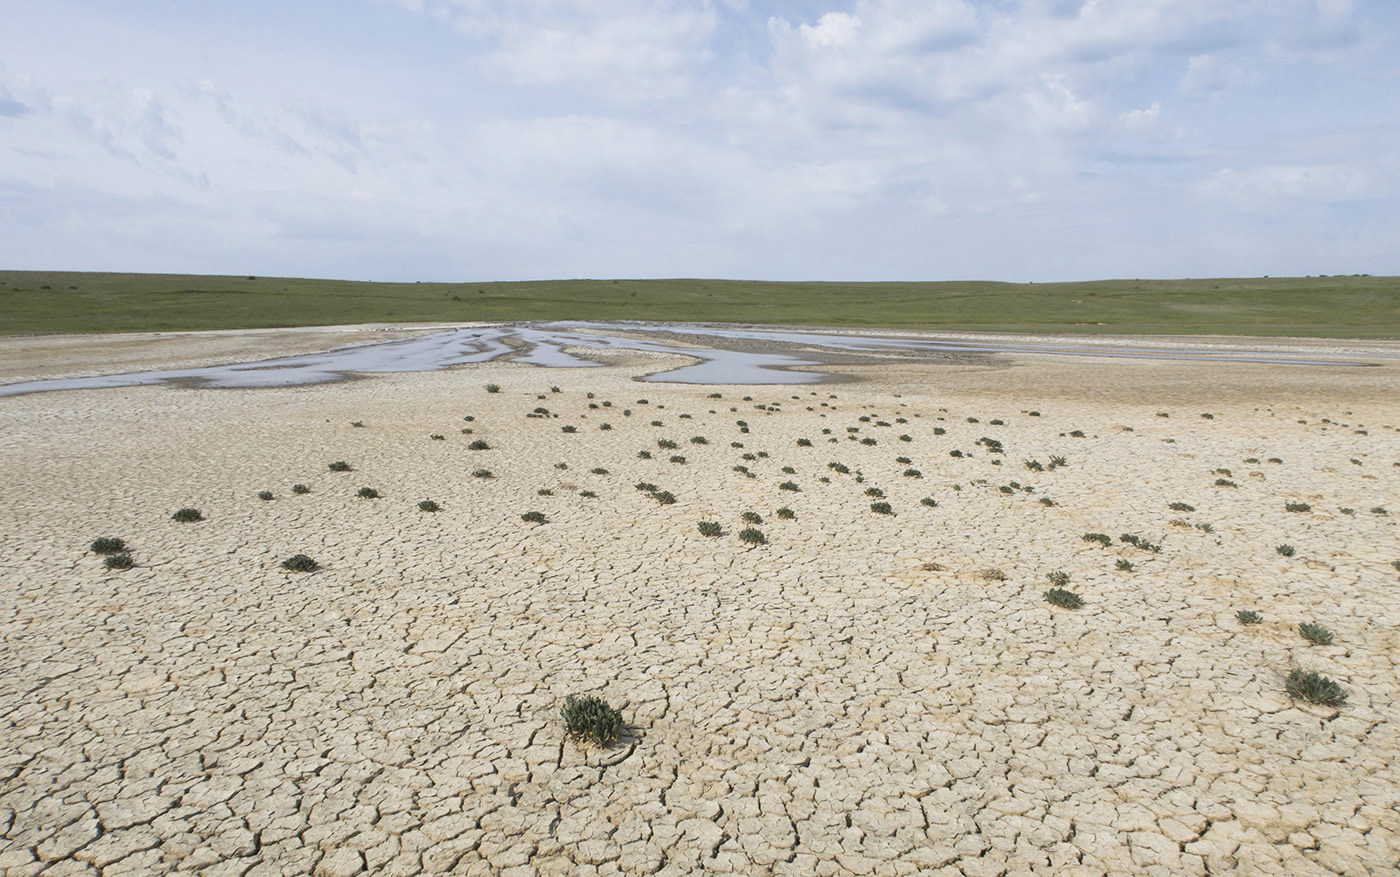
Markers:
point(1181, 507)
point(1248, 616)
point(1225, 482)
point(598, 470)
point(1275, 460)
point(1396, 564)
point(1251, 459)
point(751, 518)
point(839, 468)
point(437, 437)
point(1123, 565)
point(881, 508)
point(1006, 488)
point(710, 528)
point(299, 563)
point(479, 445)
point(699, 440)
point(1034, 466)
point(544, 491)
point(644, 455)
point(118, 561)
point(1139, 542)
point(264, 495)
point(493, 388)
point(1101, 538)
point(785, 514)
point(367, 493)
point(533, 517)
point(1057, 461)
point(929, 501)
point(645, 486)
point(1064, 599)
point(789, 485)
point(906, 438)
point(339, 466)
point(107, 545)
point(1379, 510)
point(589, 719)
point(1296, 507)
point(992, 575)
point(913, 473)
point(677, 458)
point(1285, 549)
point(1046, 501)
point(752, 536)
point(804, 443)
point(666, 444)
point(1059, 578)
point(357, 423)
point(482, 473)
point(1077, 433)
point(428, 505)
point(665, 497)
point(187, 516)
point(938, 430)
point(955, 453)
point(903, 460)
point(868, 441)
point(300, 489)
point(1205, 527)
point(568, 428)
point(1315, 633)
point(1314, 688)
point(587, 494)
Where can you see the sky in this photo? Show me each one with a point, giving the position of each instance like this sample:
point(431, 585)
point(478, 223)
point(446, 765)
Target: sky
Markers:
point(475, 140)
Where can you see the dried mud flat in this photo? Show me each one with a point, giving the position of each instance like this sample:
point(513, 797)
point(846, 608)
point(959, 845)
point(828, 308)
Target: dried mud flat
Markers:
point(863, 694)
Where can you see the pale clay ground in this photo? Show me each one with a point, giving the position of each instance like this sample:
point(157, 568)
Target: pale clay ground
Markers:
point(851, 698)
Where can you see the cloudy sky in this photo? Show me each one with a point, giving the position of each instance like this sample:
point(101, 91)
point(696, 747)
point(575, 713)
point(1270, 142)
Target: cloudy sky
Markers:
point(767, 139)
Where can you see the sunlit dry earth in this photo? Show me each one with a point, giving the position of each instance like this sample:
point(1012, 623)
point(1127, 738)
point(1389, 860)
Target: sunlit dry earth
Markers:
point(862, 693)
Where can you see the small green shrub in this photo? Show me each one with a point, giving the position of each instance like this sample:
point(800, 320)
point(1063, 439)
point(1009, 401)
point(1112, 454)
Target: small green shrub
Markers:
point(1205, 527)
point(1046, 501)
point(804, 443)
point(1248, 616)
point(300, 489)
point(1349, 512)
point(605, 426)
point(645, 486)
point(751, 518)
point(881, 508)
point(839, 468)
point(677, 458)
point(1296, 507)
point(929, 501)
point(587, 494)
point(1064, 599)
point(788, 470)
point(1034, 466)
point(589, 719)
point(598, 470)
point(874, 491)
point(1379, 510)
point(955, 453)
point(118, 561)
point(1057, 461)
point(544, 491)
point(1251, 459)
point(533, 517)
point(699, 440)
point(751, 536)
point(1124, 565)
point(1059, 578)
point(1396, 564)
point(666, 444)
point(299, 563)
point(1101, 538)
point(339, 466)
point(644, 455)
point(428, 505)
point(482, 473)
point(107, 545)
point(264, 495)
point(1314, 689)
point(357, 423)
point(569, 428)
point(437, 437)
point(789, 485)
point(785, 513)
point(1315, 633)
point(1005, 488)
point(1225, 482)
point(665, 497)
point(710, 528)
point(1077, 433)
point(479, 445)
point(186, 516)
point(913, 473)
point(868, 441)
point(1286, 550)
point(906, 438)
point(493, 388)
point(367, 493)
point(938, 430)
point(1181, 507)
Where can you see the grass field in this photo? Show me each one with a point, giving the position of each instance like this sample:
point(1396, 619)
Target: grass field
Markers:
point(1357, 306)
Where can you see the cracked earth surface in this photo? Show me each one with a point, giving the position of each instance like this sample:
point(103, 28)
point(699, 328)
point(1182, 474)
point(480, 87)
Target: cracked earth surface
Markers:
point(864, 694)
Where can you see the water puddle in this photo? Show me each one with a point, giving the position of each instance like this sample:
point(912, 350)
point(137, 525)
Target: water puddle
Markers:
point(721, 354)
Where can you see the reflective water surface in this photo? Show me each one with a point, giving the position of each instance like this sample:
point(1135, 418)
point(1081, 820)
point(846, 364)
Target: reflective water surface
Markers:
point(721, 354)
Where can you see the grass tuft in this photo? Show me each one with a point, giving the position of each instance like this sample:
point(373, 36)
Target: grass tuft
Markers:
point(1064, 599)
point(186, 516)
point(589, 719)
point(533, 517)
point(711, 528)
point(118, 561)
point(367, 493)
point(428, 505)
point(752, 536)
point(107, 545)
point(1315, 633)
point(300, 489)
point(299, 563)
point(1314, 689)
point(1248, 616)
point(339, 466)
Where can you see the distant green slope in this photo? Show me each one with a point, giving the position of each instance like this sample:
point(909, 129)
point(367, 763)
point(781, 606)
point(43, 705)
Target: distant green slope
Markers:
point(1330, 307)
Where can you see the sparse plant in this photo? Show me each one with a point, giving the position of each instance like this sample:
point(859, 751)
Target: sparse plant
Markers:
point(1379, 510)
point(906, 438)
point(1181, 507)
point(264, 495)
point(665, 497)
point(1057, 461)
point(1225, 482)
point(587, 494)
point(903, 460)
point(804, 443)
point(118, 561)
point(938, 430)
point(1248, 616)
point(645, 486)
point(589, 719)
point(677, 458)
point(598, 470)
point(644, 455)
point(533, 517)
point(789, 485)
point(357, 423)
point(752, 536)
point(437, 437)
point(929, 501)
point(711, 528)
point(955, 453)
point(1059, 578)
point(186, 516)
point(1313, 688)
point(1315, 633)
point(913, 473)
point(367, 493)
point(1077, 433)
point(788, 470)
point(1225, 472)
point(1349, 512)
point(992, 575)
point(785, 514)
point(493, 388)
point(1034, 466)
point(299, 563)
point(300, 489)
point(1123, 565)
point(874, 491)
point(839, 468)
point(479, 445)
point(482, 473)
point(751, 518)
point(666, 444)
point(1101, 538)
point(1205, 527)
point(1251, 460)
point(868, 441)
point(1046, 501)
point(881, 508)
point(107, 545)
point(1064, 599)
point(568, 428)
point(544, 491)
point(699, 440)
point(1296, 507)
point(339, 466)
point(428, 505)
point(1285, 549)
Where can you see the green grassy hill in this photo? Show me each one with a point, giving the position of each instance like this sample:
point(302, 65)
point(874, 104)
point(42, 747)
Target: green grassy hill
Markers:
point(1331, 307)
